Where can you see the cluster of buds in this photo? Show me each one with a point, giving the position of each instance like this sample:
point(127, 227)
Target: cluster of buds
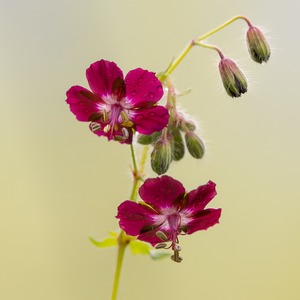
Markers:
point(168, 144)
point(234, 81)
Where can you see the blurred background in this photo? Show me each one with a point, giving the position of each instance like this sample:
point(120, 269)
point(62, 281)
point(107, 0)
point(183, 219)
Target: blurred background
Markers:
point(61, 184)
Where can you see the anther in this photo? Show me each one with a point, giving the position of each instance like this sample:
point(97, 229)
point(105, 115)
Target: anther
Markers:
point(95, 126)
point(175, 257)
point(104, 116)
point(125, 133)
point(161, 236)
point(126, 122)
point(161, 246)
point(106, 128)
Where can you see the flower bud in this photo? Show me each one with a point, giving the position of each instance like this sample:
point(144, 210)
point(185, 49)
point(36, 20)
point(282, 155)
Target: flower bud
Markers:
point(145, 139)
point(190, 125)
point(233, 79)
point(176, 143)
point(194, 145)
point(161, 156)
point(258, 46)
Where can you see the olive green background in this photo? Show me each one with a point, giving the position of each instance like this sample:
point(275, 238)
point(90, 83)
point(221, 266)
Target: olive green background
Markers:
point(60, 183)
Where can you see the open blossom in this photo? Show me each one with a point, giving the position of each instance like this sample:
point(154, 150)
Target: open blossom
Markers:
point(116, 107)
point(168, 211)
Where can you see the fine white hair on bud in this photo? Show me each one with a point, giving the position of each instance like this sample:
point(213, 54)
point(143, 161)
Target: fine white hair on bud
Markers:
point(258, 45)
point(234, 81)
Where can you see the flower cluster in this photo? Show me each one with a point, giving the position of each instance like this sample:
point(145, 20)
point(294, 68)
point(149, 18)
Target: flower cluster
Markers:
point(167, 212)
point(168, 144)
point(118, 107)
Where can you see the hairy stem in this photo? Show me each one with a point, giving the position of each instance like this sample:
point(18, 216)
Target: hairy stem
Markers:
point(196, 41)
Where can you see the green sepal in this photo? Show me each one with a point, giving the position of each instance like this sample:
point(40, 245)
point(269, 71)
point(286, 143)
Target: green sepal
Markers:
point(145, 139)
point(177, 144)
point(189, 125)
point(161, 156)
point(194, 144)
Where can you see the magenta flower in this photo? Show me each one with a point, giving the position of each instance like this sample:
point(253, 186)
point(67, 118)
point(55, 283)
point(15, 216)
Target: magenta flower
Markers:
point(117, 107)
point(168, 211)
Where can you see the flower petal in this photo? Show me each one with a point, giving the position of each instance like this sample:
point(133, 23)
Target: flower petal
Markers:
point(161, 192)
point(143, 88)
point(204, 219)
point(150, 236)
point(150, 120)
point(200, 197)
point(102, 75)
point(83, 103)
point(134, 217)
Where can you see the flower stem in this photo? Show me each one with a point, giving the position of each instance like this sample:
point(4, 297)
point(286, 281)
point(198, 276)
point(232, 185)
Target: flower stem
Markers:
point(137, 176)
point(196, 41)
point(205, 45)
point(121, 251)
point(123, 238)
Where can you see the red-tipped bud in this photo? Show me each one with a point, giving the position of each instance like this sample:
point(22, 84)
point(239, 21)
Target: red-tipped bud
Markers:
point(234, 81)
point(258, 46)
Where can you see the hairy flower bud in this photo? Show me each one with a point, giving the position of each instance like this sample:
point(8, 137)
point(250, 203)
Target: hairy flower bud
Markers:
point(161, 156)
point(258, 46)
point(176, 143)
point(147, 139)
point(234, 81)
point(190, 125)
point(194, 145)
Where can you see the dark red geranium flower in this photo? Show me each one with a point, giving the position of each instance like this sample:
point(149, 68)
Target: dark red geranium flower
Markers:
point(168, 211)
point(116, 107)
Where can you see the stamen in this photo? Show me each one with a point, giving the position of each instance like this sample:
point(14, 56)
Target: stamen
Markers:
point(106, 128)
point(125, 133)
point(124, 116)
point(177, 248)
point(126, 122)
point(119, 138)
point(176, 257)
point(161, 236)
point(104, 116)
point(95, 126)
point(161, 246)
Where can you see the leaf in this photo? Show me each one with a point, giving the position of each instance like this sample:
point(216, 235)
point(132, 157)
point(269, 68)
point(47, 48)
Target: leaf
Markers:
point(107, 242)
point(138, 247)
point(113, 233)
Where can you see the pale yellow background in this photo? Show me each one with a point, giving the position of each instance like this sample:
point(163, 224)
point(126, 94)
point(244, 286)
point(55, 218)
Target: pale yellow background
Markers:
point(61, 184)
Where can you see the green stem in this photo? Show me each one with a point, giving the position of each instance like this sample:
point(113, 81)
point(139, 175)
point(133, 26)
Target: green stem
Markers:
point(121, 252)
point(194, 42)
point(213, 47)
point(123, 238)
point(136, 176)
point(133, 159)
